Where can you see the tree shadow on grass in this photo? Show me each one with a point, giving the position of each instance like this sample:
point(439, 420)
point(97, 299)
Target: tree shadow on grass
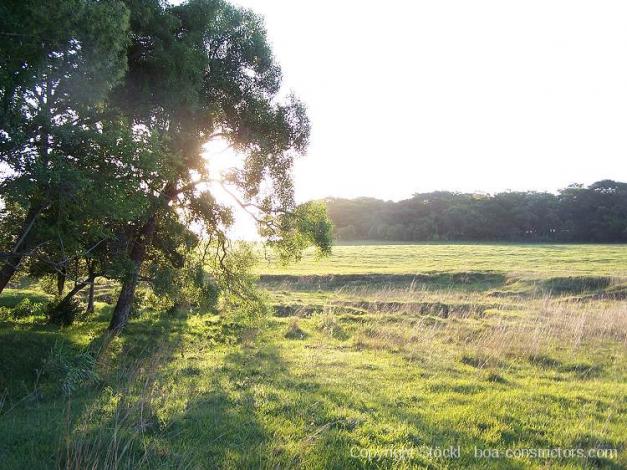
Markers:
point(257, 413)
point(37, 417)
point(257, 410)
point(220, 427)
point(120, 426)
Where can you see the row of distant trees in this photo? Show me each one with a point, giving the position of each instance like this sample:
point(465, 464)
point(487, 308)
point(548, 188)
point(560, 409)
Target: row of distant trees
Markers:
point(597, 213)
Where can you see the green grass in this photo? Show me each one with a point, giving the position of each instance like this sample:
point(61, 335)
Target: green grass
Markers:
point(463, 357)
point(521, 259)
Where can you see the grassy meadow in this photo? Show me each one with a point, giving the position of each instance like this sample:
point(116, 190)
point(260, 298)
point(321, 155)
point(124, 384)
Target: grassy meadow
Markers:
point(519, 259)
point(382, 356)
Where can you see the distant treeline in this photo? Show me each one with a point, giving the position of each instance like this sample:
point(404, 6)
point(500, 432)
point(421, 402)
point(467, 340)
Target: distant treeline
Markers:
point(597, 213)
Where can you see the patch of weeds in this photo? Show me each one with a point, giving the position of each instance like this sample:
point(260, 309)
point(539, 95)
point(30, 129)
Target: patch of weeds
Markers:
point(223, 331)
point(294, 331)
point(191, 371)
point(480, 361)
point(298, 310)
point(329, 324)
point(353, 318)
point(467, 389)
point(72, 370)
point(493, 377)
point(474, 361)
point(26, 308)
point(11, 297)
point(542, 360)
point(583, 369)
point(576, 285)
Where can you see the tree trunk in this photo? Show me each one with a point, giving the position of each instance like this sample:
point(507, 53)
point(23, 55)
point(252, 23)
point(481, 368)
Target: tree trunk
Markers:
point(14, 259)
point(60, 281)
point(90, 299)
point(75, 290)
point(122, 310)
point(78, 286)
point(8, 270)
point(61, 314)
point(90, 294)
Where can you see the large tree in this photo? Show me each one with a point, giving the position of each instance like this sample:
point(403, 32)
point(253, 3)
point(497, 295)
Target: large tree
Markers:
point(106, 108)
point(198, 72)
point(58, 62)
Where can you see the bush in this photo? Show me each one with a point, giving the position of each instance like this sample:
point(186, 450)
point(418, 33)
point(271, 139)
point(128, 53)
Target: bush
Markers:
point(64, 313)
point(26, 308)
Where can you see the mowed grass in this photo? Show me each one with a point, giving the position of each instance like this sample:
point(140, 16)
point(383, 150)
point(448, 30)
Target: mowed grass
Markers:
point(375, 371)
point(522, 259)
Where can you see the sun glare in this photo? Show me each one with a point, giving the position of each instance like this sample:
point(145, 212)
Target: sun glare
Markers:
point(220, 159)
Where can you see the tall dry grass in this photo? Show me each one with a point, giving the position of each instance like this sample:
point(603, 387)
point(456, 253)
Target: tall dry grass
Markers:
point(549, 324)
point(529, 327)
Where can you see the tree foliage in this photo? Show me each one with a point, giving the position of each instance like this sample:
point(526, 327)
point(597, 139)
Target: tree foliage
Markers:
point(597, 213)
point(107, 106)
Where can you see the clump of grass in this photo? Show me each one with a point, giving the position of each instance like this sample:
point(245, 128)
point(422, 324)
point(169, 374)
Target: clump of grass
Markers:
point(72, 370)
point(329, 324)
point(294, 331)
point(120, 430)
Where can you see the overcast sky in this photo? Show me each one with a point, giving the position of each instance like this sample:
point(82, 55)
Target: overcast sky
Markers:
point(409, 96)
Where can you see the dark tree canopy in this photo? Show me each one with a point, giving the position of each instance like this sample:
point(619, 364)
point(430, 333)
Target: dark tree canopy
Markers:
point(597, 213)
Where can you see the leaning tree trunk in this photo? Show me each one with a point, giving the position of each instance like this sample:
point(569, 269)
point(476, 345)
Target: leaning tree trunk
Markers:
point(13, 260)
point(8, 270)
point(123, 307)
point(79, 286)
point(122, 310)
point(59, 315)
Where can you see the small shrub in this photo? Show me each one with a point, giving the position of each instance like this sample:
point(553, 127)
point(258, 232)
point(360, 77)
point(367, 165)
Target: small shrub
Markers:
point(26, 308)
point(64, 313)
point(147, 301)
point(48, 284)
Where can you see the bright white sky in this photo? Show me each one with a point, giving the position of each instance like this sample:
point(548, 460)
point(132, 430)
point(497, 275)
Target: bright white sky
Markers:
point(483, 95)
point(408, 96)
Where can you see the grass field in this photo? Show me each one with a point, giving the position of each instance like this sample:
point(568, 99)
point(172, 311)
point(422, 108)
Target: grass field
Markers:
point(535, 260)
point(426, 356)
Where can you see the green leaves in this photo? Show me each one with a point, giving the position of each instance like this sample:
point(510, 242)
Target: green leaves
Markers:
point(106, 106)
point(62, 152)
point(307, 226)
